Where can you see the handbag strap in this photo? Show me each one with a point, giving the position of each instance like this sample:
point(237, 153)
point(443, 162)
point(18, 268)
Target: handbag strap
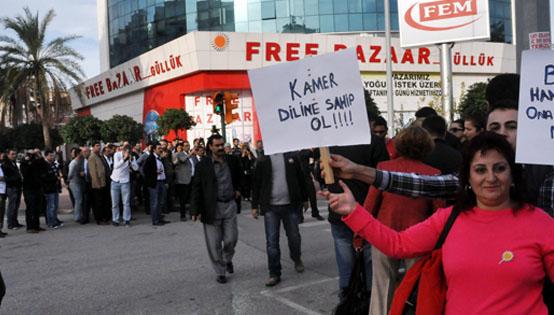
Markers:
point(451, 218)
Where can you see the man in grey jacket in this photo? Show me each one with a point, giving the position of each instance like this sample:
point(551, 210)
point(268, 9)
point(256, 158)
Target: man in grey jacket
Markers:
point(183, 177)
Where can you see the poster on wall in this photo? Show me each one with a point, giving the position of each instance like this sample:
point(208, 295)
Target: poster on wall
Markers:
point(314, 102)
point(199, 106)
point(425, 22)
point(535, 125)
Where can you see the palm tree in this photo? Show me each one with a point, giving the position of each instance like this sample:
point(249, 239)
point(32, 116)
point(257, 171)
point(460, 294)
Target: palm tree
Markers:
point(48, 65)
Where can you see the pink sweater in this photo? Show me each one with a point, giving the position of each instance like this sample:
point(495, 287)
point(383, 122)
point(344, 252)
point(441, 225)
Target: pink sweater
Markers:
point(479, 281)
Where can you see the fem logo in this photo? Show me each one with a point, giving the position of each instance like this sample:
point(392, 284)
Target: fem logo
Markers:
point(442, 10)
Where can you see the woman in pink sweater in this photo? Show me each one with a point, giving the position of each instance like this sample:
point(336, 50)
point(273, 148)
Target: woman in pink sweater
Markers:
point(499, 249)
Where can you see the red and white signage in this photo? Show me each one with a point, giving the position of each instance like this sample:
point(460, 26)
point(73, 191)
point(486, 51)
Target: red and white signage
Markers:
point(539, 40)
point(214, 51)
point(425, 22)
point(199, 106)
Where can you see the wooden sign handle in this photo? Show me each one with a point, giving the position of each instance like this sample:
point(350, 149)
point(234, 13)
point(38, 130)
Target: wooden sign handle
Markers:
point(325, 156)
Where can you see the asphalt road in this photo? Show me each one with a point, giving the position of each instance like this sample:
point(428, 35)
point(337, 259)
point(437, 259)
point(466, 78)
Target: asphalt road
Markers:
point(161, 270)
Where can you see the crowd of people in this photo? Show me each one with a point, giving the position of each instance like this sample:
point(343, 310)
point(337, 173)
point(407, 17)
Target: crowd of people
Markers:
point(396, 193)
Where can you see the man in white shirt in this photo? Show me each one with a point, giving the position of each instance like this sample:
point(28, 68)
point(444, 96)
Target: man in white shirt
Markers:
point(121, 184)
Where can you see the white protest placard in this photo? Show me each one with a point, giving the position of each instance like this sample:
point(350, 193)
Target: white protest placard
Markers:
point(535, 125)
point(539, 40)
point(314, 102)
point(425, 22)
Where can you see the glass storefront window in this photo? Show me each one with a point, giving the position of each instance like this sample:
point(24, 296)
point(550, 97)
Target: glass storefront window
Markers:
point(340, 6)
point(325, 7)
point(355, 22)
point(355, 6)
point(326, 24)
point(311, 7)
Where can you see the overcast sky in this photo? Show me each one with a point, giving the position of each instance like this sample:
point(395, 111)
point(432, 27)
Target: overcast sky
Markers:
point(73, 17)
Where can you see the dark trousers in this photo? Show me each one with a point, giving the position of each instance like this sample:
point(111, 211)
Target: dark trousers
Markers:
point(157, 193)
point(246, 189)
point(88, 202)
point(32, 212)
point(312, 196)
point(101, 207)
point(14, 199)
point(290, 216)
point(183, 194)
point(146, 194)
point(2, 209)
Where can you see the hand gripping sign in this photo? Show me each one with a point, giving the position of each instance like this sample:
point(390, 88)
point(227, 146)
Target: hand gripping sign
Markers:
point(314, 102)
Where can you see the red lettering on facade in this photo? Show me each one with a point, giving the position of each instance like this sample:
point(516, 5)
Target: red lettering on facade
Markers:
point(272, 50)
point(376, 50)
point(360, 53)
point(423, 55)
point(247, 116)
point(292, 51)
point(251, 49)
point(408, 57)
point(339, 47)
point(311, 49)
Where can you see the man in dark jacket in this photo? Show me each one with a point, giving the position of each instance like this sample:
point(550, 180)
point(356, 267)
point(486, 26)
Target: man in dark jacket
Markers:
point(14, 181)
point(155, 180)
point(444, 157)
point(215, 187)
point(51, 186)
point(280, 191)
point(32, 166)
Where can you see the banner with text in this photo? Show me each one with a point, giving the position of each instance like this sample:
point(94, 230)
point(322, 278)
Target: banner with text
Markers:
point(425, 22)
point(535, 131)
point(315, 102)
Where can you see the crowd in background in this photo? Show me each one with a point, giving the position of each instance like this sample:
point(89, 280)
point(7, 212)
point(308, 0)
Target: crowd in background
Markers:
point(115, 181)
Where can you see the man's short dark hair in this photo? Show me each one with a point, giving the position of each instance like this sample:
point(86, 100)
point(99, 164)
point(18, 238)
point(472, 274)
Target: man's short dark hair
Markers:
point(95, 143)
point(459, 121)
point(236, 139)
point(435, 125)
point(380, 121)
point(48, 152)
point(503, 105)
point(212, 138)
point(425, 112)
point(501, 87)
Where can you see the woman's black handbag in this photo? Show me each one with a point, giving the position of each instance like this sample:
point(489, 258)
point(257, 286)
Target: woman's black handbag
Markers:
point(548, 294)
point(2, 288)
point(356, 300)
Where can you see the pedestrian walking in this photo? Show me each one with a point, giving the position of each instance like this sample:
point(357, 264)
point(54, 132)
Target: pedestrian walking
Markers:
point(279, 194)
point(215, 187)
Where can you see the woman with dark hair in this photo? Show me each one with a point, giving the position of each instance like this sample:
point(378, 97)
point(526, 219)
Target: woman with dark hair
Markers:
point(474, 124)
point(499, 250)
point(412, 145)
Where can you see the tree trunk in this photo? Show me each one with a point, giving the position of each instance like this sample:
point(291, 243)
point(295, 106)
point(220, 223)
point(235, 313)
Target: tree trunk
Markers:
point(44, 115)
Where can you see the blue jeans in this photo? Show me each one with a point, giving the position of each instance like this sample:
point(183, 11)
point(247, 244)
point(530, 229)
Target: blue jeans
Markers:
point(345, 255)
point(52, 202)
point(77, 192)
point(157, 196)
point(121, 191)
point(290, 215)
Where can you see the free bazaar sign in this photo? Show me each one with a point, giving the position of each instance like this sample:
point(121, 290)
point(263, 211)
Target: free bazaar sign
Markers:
point(314, 102)
point(425, 22)
point(535, 131)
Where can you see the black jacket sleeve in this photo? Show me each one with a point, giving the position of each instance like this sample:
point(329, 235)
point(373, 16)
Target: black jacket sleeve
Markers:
point(196, 194)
